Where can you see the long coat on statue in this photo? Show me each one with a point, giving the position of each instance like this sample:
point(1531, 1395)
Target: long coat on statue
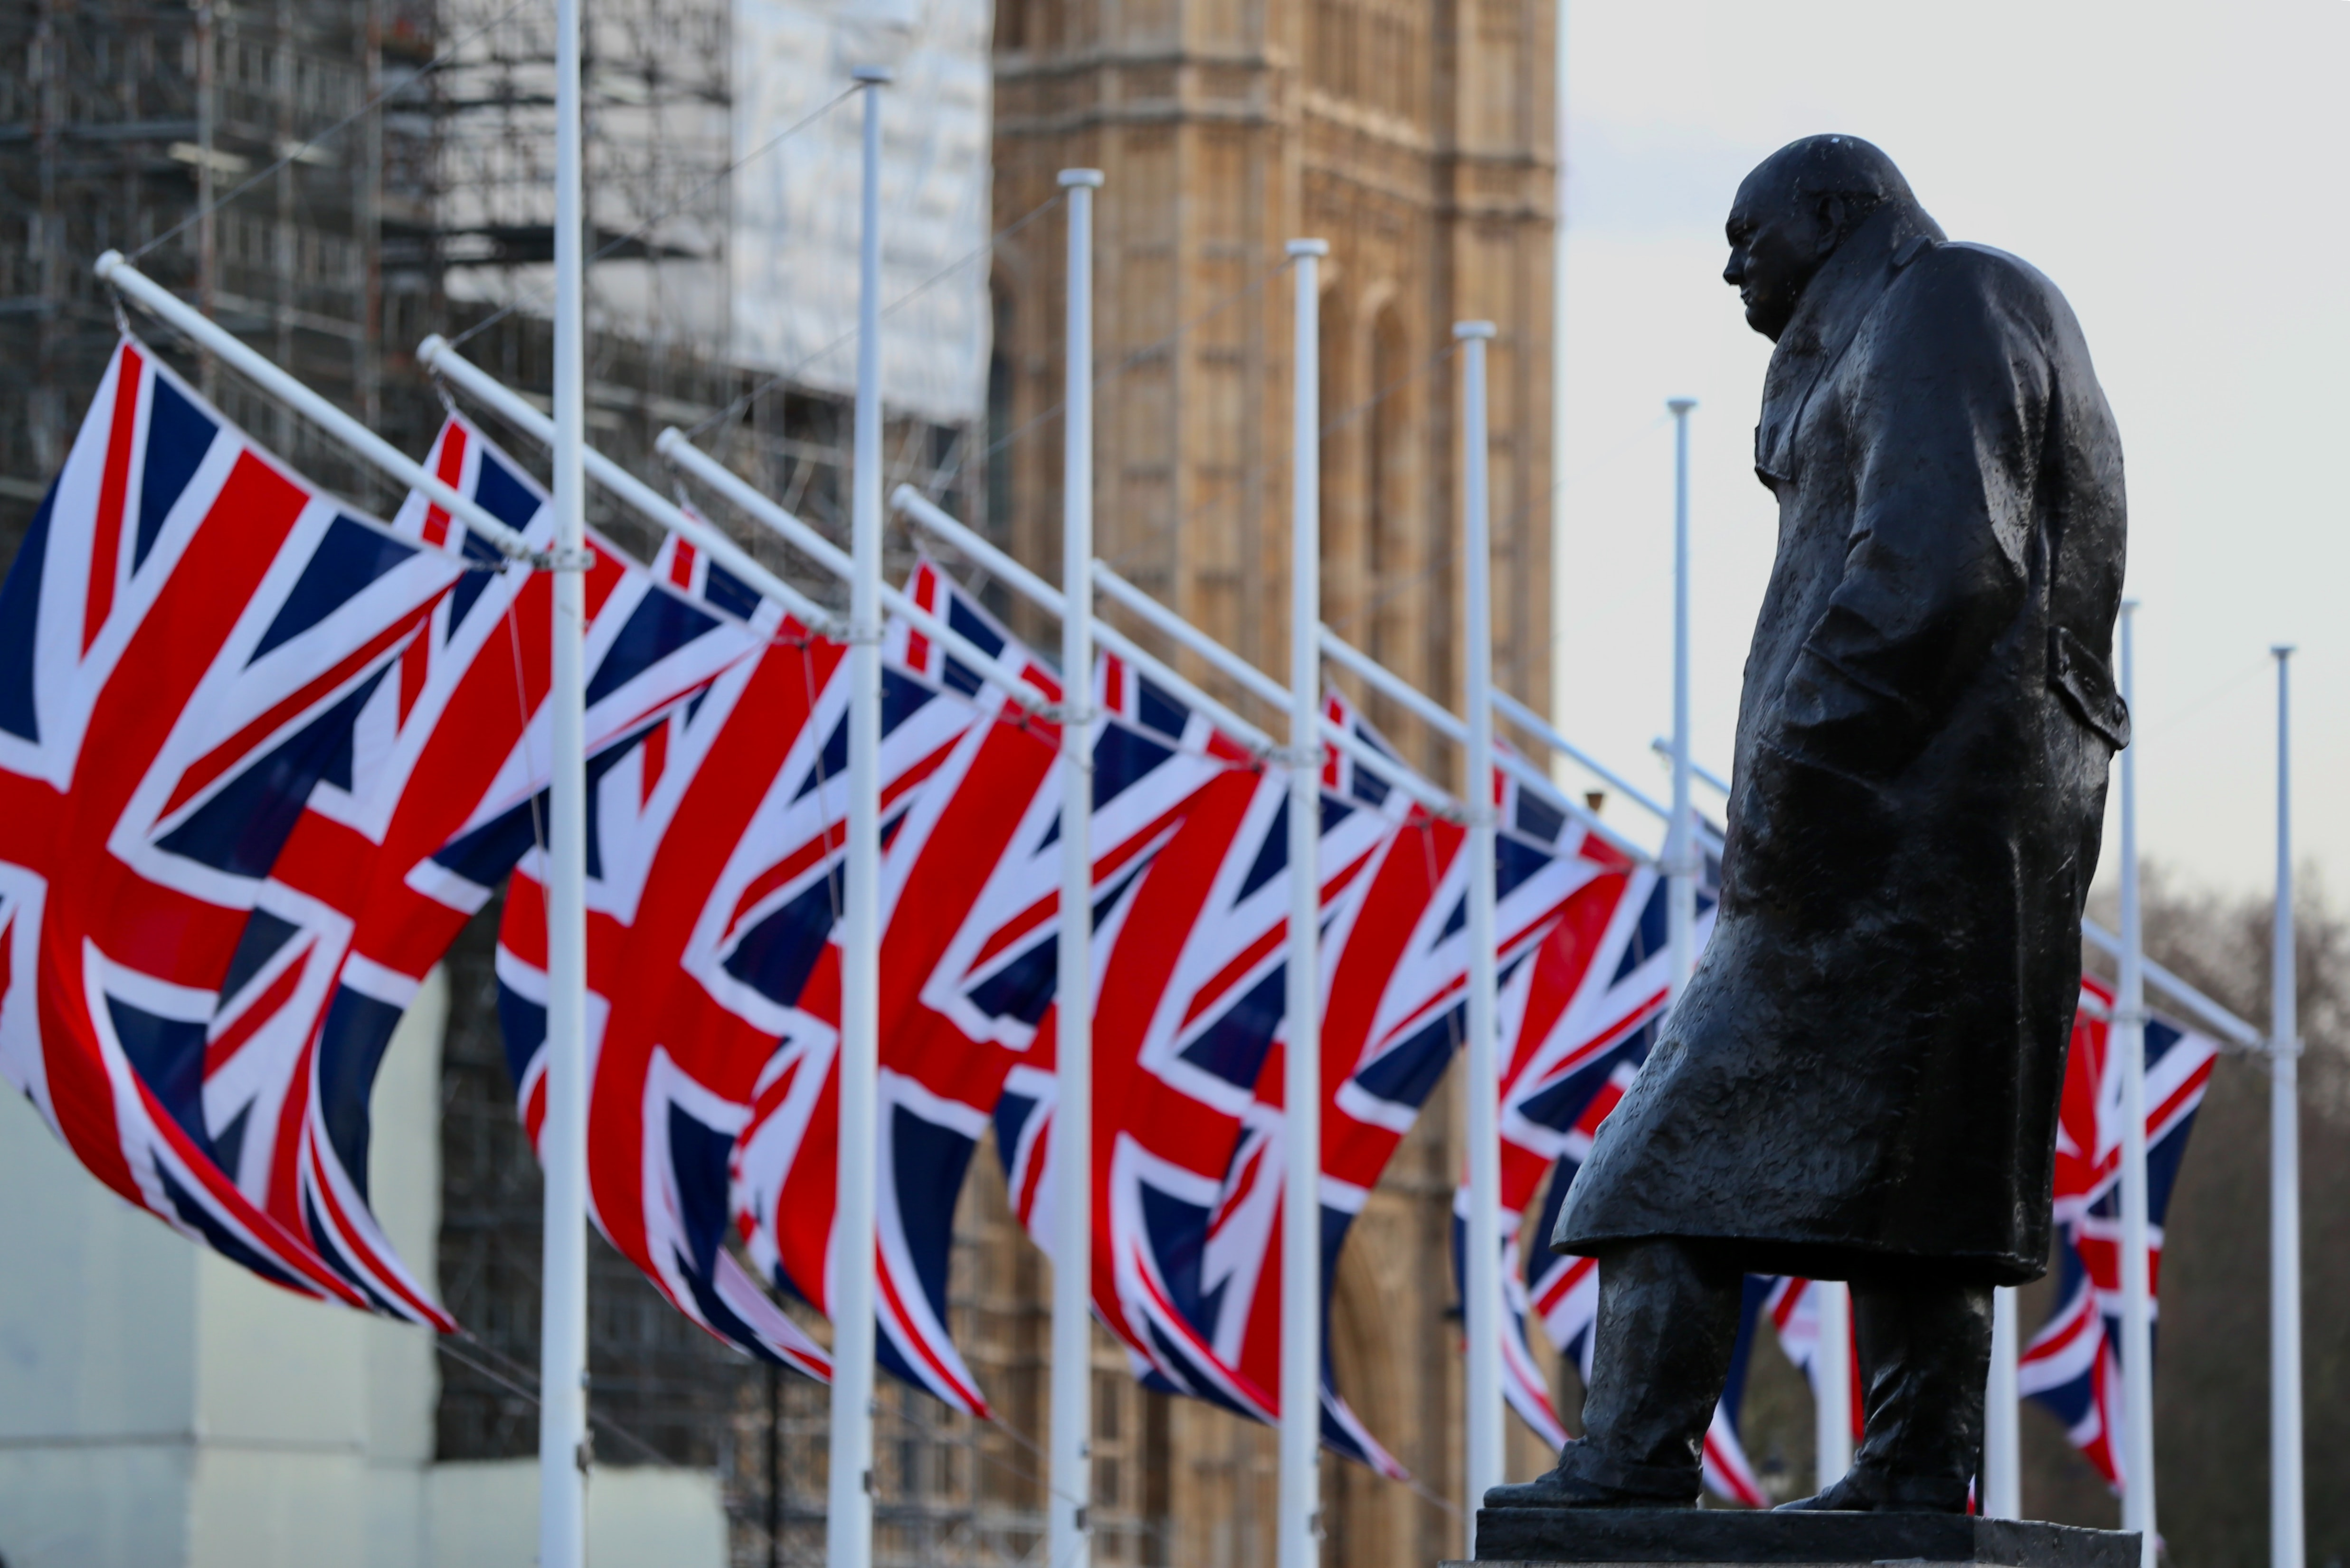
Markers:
point(1862, 1077)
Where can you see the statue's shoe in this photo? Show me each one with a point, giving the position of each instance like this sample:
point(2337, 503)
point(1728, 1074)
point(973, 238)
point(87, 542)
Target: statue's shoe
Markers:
point(1869, 1492)
point(1585, 1479)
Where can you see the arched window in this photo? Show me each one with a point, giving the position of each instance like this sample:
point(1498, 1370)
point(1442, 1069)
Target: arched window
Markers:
point(1407, 612)
point(997, 460)
point(1342, 513)
point(1386, 466)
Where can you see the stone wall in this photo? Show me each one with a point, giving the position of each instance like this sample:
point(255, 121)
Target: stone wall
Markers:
point(1419, 140)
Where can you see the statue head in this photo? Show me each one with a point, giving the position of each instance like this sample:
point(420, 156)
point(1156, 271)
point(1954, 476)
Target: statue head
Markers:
point(1794, 211)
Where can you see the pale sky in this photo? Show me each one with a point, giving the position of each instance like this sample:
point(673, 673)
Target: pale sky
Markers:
point(2179, 172)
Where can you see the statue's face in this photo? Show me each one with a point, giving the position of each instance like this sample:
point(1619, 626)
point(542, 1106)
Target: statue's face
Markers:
point(1777, 241)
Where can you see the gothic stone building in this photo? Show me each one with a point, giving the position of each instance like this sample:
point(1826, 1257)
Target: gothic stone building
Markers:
point(1419, 140)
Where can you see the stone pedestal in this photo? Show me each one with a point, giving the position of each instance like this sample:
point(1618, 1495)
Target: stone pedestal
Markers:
point(1558, 1537)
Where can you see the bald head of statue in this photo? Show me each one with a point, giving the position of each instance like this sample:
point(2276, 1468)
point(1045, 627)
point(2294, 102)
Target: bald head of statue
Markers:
point(1794, 211)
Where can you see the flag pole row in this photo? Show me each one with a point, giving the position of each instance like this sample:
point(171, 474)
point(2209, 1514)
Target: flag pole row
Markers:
point(2287, 1546)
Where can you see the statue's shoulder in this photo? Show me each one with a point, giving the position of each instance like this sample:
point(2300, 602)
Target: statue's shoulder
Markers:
point(1958, 277)
point(1958, 304)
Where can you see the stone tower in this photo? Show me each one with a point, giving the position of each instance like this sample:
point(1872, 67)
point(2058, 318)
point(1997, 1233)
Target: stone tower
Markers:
point(1419, 140)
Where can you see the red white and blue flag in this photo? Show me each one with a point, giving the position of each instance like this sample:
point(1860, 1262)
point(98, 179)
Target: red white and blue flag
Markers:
point(677, 1027)
point(714, 882)
point(994, 988)
point(190, 638)
point(960, 773)
point(969, 958)
point(2073, 1366)
point(357, 910)
point(1395, 978)
point(1188, 1001)
point(717, 838)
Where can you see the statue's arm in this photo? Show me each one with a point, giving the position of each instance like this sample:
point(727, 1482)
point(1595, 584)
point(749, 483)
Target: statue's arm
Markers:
point(1945, 430)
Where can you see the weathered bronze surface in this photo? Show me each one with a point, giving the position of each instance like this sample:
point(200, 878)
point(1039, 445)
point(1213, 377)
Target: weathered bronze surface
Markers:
point(1861, 1080)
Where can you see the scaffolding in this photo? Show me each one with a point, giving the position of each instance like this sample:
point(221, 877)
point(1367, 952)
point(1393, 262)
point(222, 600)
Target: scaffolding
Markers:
point(660, 150)
point(657, 149)
point(123, 122)
point(127, 122)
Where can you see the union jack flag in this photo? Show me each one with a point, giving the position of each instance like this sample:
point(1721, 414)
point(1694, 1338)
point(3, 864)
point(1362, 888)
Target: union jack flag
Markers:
point(993, 986)
point(720, 1088)
point(1395, 985)
point(935, 1094)
point(355, 910)
point(714, 884)
point(2073, 1366)
point(190, 638)
point(672, 1050)
point(1189, 1000)
point(970, 964)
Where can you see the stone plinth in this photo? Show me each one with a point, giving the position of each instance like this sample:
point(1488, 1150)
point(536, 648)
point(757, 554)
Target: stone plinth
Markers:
point(1557, 1537)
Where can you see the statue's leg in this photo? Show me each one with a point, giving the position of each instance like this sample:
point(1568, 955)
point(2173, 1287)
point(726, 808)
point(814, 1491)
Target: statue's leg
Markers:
point(1925, 1350)
point(1667, 1324)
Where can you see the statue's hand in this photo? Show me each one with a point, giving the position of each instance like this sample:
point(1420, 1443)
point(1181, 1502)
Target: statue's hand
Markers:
point(1840, 717)
point(1805, 825)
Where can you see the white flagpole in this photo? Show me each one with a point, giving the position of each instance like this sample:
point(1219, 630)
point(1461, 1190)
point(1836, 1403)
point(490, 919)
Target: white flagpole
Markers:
point(1299, 1522)
point(848, 1512)
point(1072, 1373)
point(1483, 1309)
point(563, 1138)
point(2128, 1037)
point(2002, 1495)
point(2286, 1548)
point(1832, 1407)
point(1680, 846)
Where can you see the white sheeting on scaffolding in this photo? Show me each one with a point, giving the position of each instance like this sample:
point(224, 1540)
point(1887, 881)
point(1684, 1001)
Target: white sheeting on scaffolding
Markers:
point(794, 247)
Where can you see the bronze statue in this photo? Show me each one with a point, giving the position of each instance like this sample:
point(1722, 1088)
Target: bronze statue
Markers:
point(1861, 1080)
